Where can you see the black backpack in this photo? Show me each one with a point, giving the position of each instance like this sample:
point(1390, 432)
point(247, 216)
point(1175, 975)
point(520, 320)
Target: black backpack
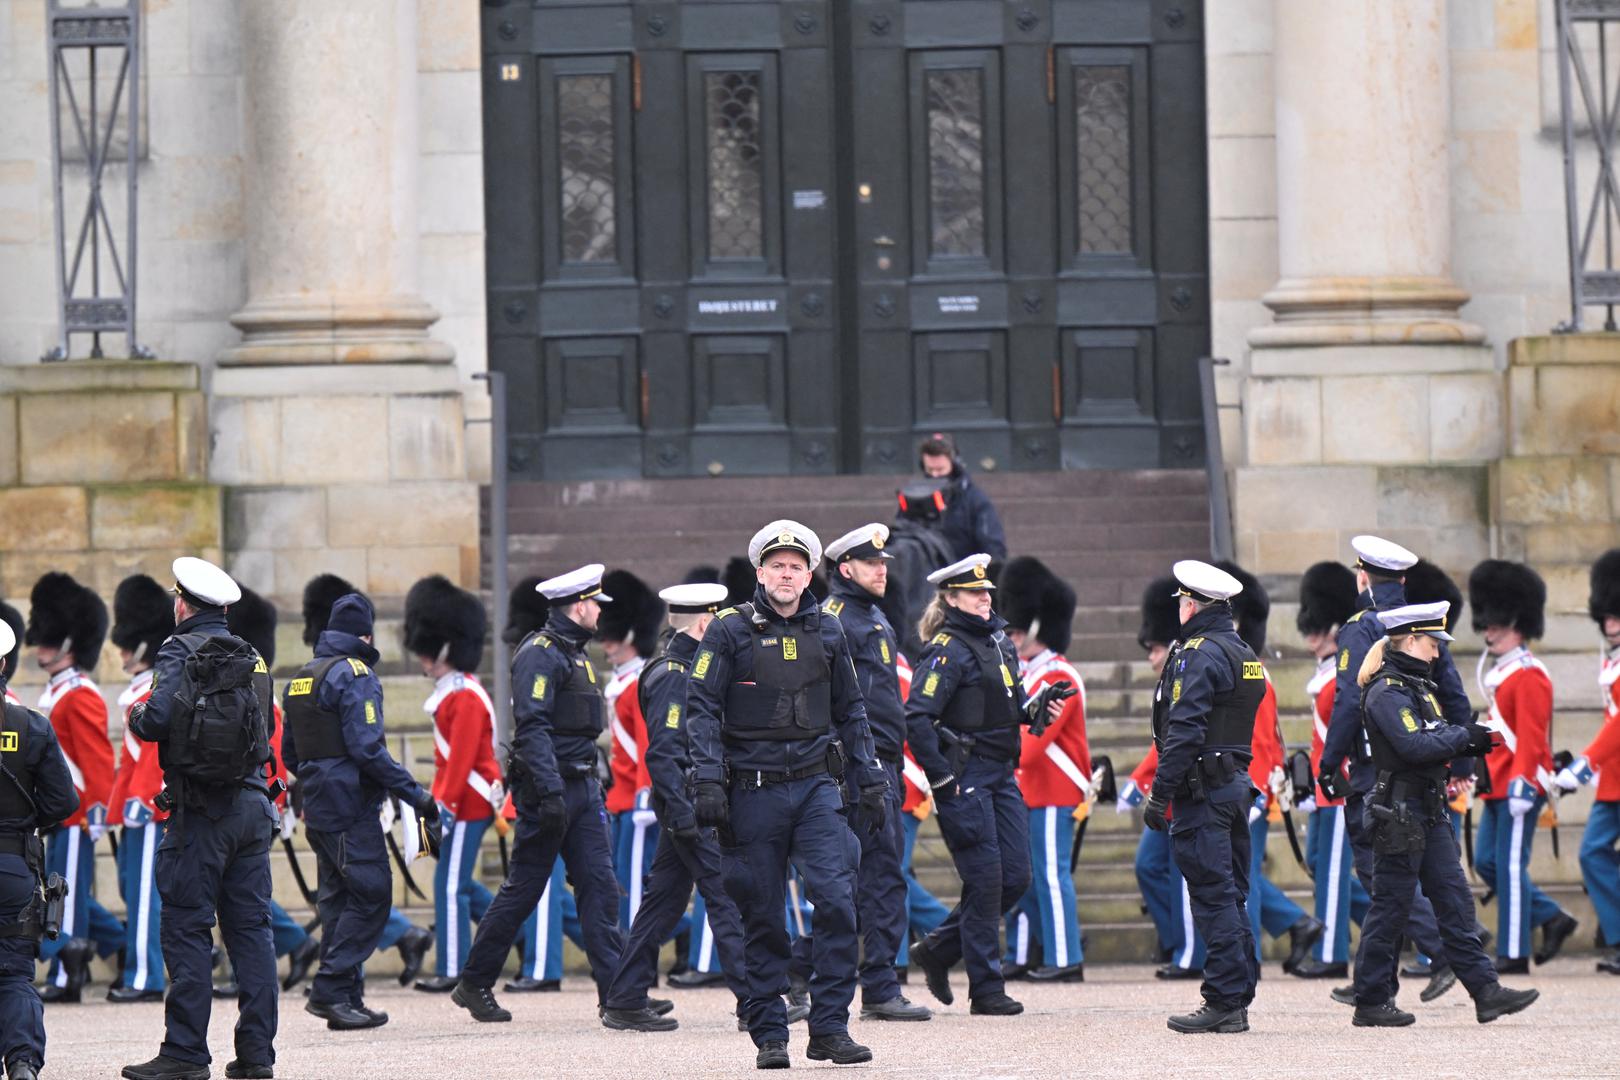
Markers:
point(219, 731)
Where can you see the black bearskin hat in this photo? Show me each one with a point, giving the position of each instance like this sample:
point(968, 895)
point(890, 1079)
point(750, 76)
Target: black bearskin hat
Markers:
point(1327, 597)
point(320, 594)
point(526, 610)
point(13, 619)
point(143, 616)
point(739, 579)
point(60, 609)
point(253, 619)
point(1161, 613)
point(1034, 599)
point(1251, 607)
point(1426, 583)
point(634, 615)
point(443, 620)
point(1508, 594)
point(1605, 595)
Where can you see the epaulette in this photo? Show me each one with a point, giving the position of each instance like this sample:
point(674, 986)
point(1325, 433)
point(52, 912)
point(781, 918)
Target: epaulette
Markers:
point(358, 666)
point(543, 640)
point(1193, 643)
point(723, 612)
point(833, 607)
point(1356, 616)
point(941, 639)
point(676, 666)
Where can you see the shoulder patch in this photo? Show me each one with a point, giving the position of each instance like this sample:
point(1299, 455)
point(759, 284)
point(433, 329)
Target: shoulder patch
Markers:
point(538, 693)
point(676, 666)
point(1408, 720)
point(1356, 616)
point(930, 684)
point(1344, 659)
point(259, 666)
point(883, 650)
point(358, 666)
point(723, 612)
point(833, 607)
point(543, 641)
point(700, 670)
point(672, 719)
point(941, 639)
point(1175, 692)
point(371, 711)
point(1193, 643)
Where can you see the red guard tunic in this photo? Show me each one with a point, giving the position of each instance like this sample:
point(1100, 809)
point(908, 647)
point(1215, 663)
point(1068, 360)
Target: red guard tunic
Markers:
point(1321, 689)
point(627, 755)
point(78, 713)
point(464, 765)
point(1604, 751)
point(1521, 696)
point(1053, 765)
point(139, 777)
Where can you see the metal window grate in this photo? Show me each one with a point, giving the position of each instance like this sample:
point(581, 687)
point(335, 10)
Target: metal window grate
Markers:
point(1102, 119)
point(736, 173)
point(586, 138)
point(956, 162)
point(1594, 279)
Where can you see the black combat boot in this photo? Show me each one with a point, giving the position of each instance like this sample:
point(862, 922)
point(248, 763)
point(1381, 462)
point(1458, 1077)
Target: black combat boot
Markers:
point(164, 1068)
point(997, 1004)
point(1497, 1001)
point(1384, 1014)
point(837, 1048)
point(1441, 980)
point(412, 948)
point(523, 984)
point(480, 1001)
point(1211, 1018)
point(341, 1016)
point(436, 984)
point(773, 1055)
point(896, 1008)
point(248, 1070)
point(935, 971)
point(637, 1020)
point(1305, 932)
point(1312, 968)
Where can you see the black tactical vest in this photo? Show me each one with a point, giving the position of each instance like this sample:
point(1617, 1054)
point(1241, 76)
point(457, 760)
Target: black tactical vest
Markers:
point(317, 731)
point(15, 799)
point(790, 696)
point(1425, 708)
point(995, 702)
point(1231, 715)
point(578, 710)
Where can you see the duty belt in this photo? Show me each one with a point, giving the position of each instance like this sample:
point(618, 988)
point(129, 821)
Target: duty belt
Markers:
point(892, 760)
point(577, 770)
point(756, 778)
point(14, 843)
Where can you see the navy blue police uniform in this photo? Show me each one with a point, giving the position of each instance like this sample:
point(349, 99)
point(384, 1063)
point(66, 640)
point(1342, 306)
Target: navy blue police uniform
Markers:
point(962, 719)
point(36, 793)
point(215, 856)
point(557, 710)
point(881, 887)
point(1411, 835)
point(769, 695)
point(1203, 725)
point(686, 855)
point(334, 742)
point(1345, 739)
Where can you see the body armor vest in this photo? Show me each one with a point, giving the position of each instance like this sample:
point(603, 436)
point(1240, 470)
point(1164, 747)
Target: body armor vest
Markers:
point(1232, 713)
point(1419, 697)
point(16, 799)
point(317, 731)
point(578, 710)
point(994, 702)
point(790, 696)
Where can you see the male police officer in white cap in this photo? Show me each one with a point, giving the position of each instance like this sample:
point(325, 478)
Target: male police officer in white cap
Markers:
point(772, 689)
point(857, 582)
point(1410, 829)
point(1381, 567)
point(1203, 725)
point(215, 856)
point(557, 712)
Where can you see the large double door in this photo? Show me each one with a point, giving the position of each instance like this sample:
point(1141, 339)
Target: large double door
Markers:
point(772, 238)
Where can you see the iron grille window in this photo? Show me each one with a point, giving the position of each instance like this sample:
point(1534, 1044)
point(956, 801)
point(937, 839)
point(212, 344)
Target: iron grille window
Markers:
point(956, 162)
point(1102, 118)
point(736, 165)
point(585, 113)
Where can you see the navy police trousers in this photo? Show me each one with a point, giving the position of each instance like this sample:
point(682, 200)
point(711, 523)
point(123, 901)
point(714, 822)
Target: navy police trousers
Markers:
point(1210, 842)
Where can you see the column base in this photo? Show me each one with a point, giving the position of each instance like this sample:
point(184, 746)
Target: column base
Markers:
point(1318, 312)
point(336, 330)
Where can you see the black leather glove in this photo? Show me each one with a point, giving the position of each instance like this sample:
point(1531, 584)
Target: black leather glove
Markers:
point(428, 810)
point(1333, 784)
point(947, 791)
point(872, 810)
point(686, 829)
point(1154, 812)
point(710, 805)
point(551, 814)
point(1480, 740)
point(1035, 710)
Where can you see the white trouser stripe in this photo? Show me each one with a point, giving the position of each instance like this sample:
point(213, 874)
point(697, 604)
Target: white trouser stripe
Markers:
point(1054, 890)
point(1515, 885)
point(638, 849)
point(542, 934)
point(70, 927)
point(706, 944)
point(143, 901)
point(1021, 938)
point(452, 903)
point(1189, 932)
point(1331, 913)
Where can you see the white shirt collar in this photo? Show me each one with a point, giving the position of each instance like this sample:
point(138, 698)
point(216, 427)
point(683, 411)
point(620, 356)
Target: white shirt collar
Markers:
point(139, 685)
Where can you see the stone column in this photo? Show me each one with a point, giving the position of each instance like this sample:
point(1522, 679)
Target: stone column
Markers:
point(331, 163)
point(1363, 178)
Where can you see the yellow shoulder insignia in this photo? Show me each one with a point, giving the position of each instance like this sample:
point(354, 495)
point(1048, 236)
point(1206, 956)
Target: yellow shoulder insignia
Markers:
point(1193, 643)
point(1408, 720)
point(1253, 669)
point(930, 684)
point(1356, 616)
point(701, 669)
point(723, 612)
point(941, 639)
point(358, 666)
point(1344, 659)
point(542, 640)
point(259, 666)
point(371, 711)
point(676, 667)
point(673, 718)
point(833, 607)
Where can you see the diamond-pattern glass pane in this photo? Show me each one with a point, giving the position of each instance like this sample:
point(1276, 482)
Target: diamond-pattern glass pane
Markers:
point(956, 162)
point(736, 165)
point(1102, 117)
point(585, 133)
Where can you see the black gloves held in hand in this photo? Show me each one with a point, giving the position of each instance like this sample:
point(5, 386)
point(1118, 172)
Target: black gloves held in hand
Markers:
point(872, 810)
point(1155, 811)
point(551, 814)
point(1480, 740)
point(710, 805)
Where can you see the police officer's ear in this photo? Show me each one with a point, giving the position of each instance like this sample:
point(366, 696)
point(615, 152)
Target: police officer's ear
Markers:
point(846, 571)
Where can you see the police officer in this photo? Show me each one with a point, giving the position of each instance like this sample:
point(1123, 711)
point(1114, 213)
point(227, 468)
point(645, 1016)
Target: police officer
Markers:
point(687, 855)
point(857, 582)
point(1203, 725)
point(36, 793)
point(215, 856)
point(1410, 832)
point(1381, 568)
point(557, 714)
point(773, 694)
point(334, 743)
point(963, 717)
point(143, 618)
